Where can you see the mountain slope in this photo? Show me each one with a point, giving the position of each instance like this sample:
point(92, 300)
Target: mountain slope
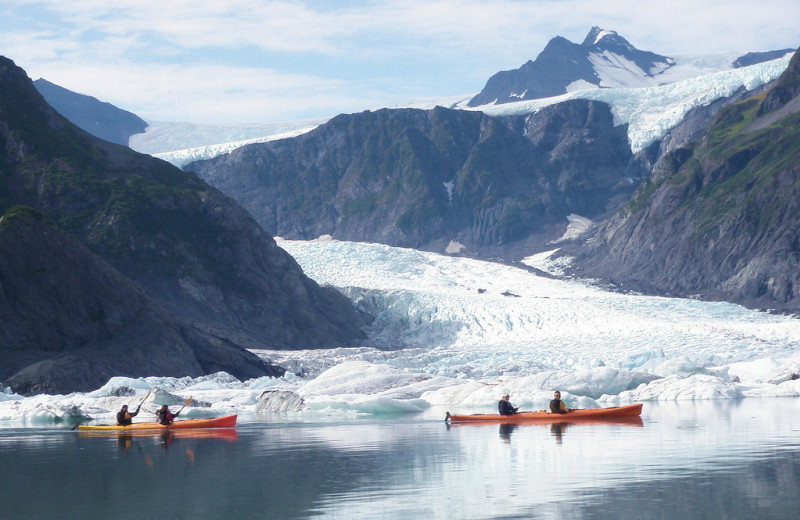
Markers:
point(71, 321)
point(100, 119)
point(422, 179)
point(720, 218)
point(199, 252)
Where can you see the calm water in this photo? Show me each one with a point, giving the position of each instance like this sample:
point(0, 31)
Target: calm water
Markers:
point(733, 460)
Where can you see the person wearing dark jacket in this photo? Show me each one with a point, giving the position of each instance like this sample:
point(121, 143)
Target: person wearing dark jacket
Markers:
point(557, 405)
point(124, 417)
point(164, 416)
point(504, 407)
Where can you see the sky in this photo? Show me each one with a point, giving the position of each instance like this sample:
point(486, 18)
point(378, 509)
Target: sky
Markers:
point(248, 61)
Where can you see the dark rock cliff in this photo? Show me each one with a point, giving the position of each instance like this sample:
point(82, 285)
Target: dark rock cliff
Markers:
point(751, 58)
point(201, 255)
point(71, 321)
point(420, 179)
point(719, 217)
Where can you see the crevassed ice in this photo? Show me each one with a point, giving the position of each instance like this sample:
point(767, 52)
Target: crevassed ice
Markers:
point(460, 332)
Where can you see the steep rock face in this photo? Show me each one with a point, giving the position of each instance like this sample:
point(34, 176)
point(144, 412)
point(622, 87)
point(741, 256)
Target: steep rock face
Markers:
point(71, 321)
point(718, 219)
point(752, 58)
point(420, 179)
point(198, 251)
point(563, 63)
point(100, 119)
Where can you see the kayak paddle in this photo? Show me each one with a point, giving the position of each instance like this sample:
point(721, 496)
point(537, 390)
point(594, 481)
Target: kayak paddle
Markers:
point(145, 398)
point(184, 406)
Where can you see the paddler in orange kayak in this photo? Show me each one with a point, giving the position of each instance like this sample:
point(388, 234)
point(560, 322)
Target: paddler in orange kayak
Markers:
point(504, 407)
point(557, 405)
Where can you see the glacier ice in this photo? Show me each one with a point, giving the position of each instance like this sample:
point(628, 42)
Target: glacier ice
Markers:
point(447, 335)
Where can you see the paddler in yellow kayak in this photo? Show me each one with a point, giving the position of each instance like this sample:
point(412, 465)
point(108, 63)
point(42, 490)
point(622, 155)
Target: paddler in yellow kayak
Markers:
point(166, 417)
point(124, 417)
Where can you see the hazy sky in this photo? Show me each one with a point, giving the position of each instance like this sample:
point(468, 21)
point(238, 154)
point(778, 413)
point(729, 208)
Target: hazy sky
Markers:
point(247, 61)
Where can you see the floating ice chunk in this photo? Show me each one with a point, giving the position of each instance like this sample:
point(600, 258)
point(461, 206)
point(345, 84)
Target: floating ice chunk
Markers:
point(594, 382)
point(265, 383)
point(161, 396)
point(360, 404)
point(41, 409)
point(465, 394)
point(786, 389)
point(121, 386)
point(7, 395)
point(279, 401)
point(764, 370)
point(675, 388)
point(680, 365)
point(358, 377)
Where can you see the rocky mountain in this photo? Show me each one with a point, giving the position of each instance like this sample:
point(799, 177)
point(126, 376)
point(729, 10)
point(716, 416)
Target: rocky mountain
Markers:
point(434, 179)
point(71, 321)
point(199, 253)
point(98, 118)
point(751, 58)
point(604, 59)
point(719, 217)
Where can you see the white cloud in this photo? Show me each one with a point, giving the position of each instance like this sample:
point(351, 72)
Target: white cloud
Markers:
point(243, 60)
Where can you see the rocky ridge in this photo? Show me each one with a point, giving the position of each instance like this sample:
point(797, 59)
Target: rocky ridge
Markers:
point(428, 179)
point(196, 251)
point(718, 217)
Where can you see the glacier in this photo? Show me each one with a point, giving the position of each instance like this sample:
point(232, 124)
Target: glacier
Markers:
point(650, 107)
point(455, 333)
point(650, 112)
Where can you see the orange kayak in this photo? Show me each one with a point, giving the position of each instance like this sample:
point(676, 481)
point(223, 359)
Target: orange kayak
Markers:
point(586, 414)
point(216, 422)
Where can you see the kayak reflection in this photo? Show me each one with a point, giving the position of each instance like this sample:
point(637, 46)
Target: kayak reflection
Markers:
point(581, 414)
point(558, 429)
point(506, 430)
point(124, 438)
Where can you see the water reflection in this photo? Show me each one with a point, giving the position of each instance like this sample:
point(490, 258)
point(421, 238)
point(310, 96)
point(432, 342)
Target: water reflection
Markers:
point(557, 430)
point(506, 430)
point(125, 442)
point(736, 462)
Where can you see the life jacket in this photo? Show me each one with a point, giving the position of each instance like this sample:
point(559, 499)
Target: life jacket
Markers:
point(124, 418)
point(558, 406)
point(165, 416)
point(505, 408)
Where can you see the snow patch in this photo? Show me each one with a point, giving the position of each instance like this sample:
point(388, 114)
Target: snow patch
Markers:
point(453, 248)
point(580, 84)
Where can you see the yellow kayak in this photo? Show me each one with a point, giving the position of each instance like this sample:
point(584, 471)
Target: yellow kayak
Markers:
point(216, 422)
